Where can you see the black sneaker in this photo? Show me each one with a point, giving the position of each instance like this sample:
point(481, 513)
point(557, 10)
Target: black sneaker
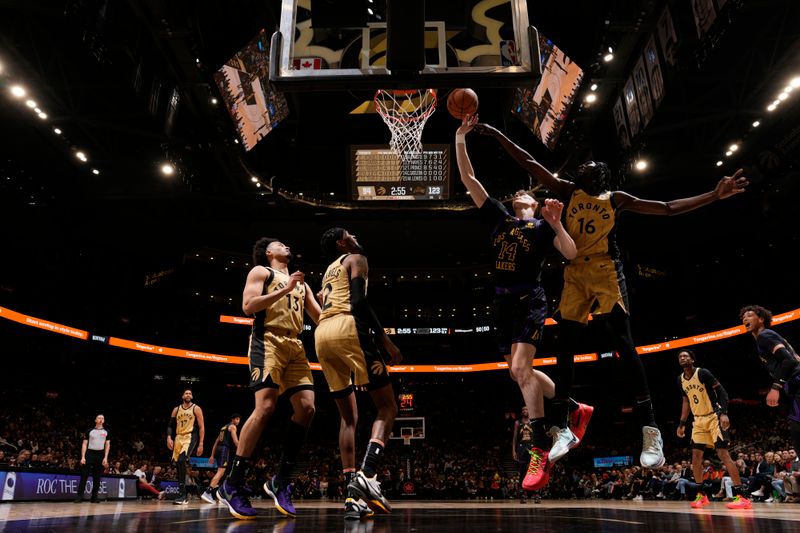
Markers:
point(183, 499)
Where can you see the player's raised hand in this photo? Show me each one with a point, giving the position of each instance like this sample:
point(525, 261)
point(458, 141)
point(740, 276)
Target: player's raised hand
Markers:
point(467, 123)
point(551, 210)
point(295, 278)
point(730, 185)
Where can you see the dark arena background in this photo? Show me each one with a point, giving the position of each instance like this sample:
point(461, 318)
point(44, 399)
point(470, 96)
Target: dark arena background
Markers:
point(146, 145)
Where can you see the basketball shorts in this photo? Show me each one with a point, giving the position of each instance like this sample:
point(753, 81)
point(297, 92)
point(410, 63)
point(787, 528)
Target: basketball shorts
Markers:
point(519, 317)
point(592, 284)
point(707, 433)
point(183, 444)
point(278, 362)
point(221, 456)
point(348, 357)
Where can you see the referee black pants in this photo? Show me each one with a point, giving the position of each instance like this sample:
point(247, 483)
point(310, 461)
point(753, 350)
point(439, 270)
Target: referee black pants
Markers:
point(94, 465)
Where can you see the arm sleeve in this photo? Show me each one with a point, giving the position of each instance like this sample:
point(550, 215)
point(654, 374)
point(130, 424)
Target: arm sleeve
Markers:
point(789, 364)
point(361, 309)
point(781, 363)
point(715, 387)
point(173, 425)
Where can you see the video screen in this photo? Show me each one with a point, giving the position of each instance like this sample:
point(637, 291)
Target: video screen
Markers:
point(544, 109)
point(255, 106)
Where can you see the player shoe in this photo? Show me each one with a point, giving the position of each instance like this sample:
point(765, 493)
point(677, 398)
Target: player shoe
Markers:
point(237, 499)
point(369, 490)
point(699, 502)
point(538, 474)
point(652, 448)
point(182, 499)
point(282, 497)
point(739, 502)
point(357, 509)
point(579, 419)
point(208, 496)
point(563, 441)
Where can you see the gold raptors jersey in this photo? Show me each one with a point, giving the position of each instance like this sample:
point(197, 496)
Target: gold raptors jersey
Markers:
point(590, 221)
point(695, 390)
point(185, 420)
point(286, 313)
point(335, 290)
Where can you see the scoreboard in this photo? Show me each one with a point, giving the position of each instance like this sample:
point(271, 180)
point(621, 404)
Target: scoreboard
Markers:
point(378, 174)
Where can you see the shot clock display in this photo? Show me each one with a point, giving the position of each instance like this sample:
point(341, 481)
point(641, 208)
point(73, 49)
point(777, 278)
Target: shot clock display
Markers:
point(378, 174)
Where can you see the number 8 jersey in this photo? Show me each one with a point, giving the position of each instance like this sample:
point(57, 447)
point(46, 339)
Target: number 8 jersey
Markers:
point(286, 313)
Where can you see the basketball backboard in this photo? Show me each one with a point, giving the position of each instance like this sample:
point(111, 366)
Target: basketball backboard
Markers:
point(412, 427)
point(347, 44)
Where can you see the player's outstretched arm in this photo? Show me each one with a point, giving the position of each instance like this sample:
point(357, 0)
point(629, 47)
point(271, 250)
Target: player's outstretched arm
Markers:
point(551, 212)
point(312, 307)
point(726, 187)
point(561, 187)
point(475, 188)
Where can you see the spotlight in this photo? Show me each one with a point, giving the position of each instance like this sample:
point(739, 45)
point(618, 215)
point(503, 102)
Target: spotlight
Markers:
point(771, 107)
point(591, 97)
point(57, 131)
point(253, 179)
point(783, 96)
point(258, 184)
point(43, 115)
point(795, 82)
point(213, 101)
point(30, 103)
point(17, 91)
point(95, 172)
point(733, 147)
point(756, 124)
point(608, 57)
point(719, 163)
point(369, 10)
point(728, 153)
point(641, 165)
point(167, 169)
point(81, 156)
point(555, 174)
point(593, 87)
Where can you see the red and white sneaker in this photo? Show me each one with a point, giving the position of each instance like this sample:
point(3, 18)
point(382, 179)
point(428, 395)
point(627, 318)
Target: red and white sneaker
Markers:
point(579, 419)
point(739, 502)
point(699, 502)
point(538, 473)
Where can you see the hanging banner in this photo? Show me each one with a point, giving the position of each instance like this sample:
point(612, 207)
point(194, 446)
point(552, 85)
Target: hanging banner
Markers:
point(704, 16)
point(622, 127)
point(631, 107)
point(643, 92)
point(668, 37)
point(654, 71)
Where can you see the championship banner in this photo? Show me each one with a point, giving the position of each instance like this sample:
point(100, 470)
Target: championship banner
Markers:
point(654, 71)
point(35, 486)
point(668, 37)
point(622, 127)
point(631, 107)
point(643, 92)
point(704, 16)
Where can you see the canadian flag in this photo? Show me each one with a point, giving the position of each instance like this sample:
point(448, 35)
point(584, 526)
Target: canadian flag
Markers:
point(308, 63)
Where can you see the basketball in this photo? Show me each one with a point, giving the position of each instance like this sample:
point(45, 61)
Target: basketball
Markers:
point(462, 102)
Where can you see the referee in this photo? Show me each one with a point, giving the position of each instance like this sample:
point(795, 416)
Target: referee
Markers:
point(94, 457)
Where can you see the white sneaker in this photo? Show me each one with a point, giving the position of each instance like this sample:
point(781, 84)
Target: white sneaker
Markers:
point(769, 500)
point(758, 493)
point(356, 509)
point(207, 497)
point(652, 448)
point(369, 489)
point(563, 441)
point(638, 498)
point(660, 495)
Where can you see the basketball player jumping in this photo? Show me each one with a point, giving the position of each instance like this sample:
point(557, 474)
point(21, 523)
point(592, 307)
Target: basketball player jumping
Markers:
point(220, 454)
point(186, 424)
point(708, 402)
point(521, 242)
point(346, 341)
point(278, 366)
point(594, 282)
point(781, 361)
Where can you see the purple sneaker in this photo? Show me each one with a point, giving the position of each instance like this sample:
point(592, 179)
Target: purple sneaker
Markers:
point(282, 497)
point(237, 500)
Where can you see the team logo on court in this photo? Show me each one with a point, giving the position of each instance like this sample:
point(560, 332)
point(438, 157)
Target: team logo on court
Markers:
point(255, 374)
point(378, 368)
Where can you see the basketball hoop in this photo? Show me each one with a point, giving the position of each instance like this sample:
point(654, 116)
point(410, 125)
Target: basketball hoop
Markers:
point(406, 440)
point(405, 112)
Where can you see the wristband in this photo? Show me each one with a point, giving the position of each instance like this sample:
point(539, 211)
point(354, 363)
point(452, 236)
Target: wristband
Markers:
point(460, 138)
point(777, 386)
point(682, 423)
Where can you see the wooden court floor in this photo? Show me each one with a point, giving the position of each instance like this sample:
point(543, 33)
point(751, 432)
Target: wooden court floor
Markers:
point(408, 516)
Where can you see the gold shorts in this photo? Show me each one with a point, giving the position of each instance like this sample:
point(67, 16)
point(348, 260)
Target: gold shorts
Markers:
point(592, 285)
point(183, 444)
point(707, 433)
point(278, 361)
point(347, 356)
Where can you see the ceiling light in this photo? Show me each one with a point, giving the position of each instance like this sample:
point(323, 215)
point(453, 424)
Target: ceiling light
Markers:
point(719, 163)
point(43, 115)
point(167, 169)
point(795, 82)
point(610, 50)
point(81, 156)
point(591, 97)
point(771, 107)
point(253, 179)
point(30, 103)
point(783, 96)
point(641, 164)
point(776, 102)
point(95, 172)
point(756, 124)
point(733, 147)
point(258, 184)
point(593, 87)
point(608, 57)
point(57, 131)
point(331, 194)
point(213, 101)
point(555, 174)
point(36, 110)
point(369, 10)
point(728, 153)
point(17, 91)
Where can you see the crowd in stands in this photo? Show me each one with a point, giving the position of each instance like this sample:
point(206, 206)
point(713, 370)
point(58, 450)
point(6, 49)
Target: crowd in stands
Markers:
point(46, 435)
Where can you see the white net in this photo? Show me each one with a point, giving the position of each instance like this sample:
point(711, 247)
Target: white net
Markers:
point(405, 113)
